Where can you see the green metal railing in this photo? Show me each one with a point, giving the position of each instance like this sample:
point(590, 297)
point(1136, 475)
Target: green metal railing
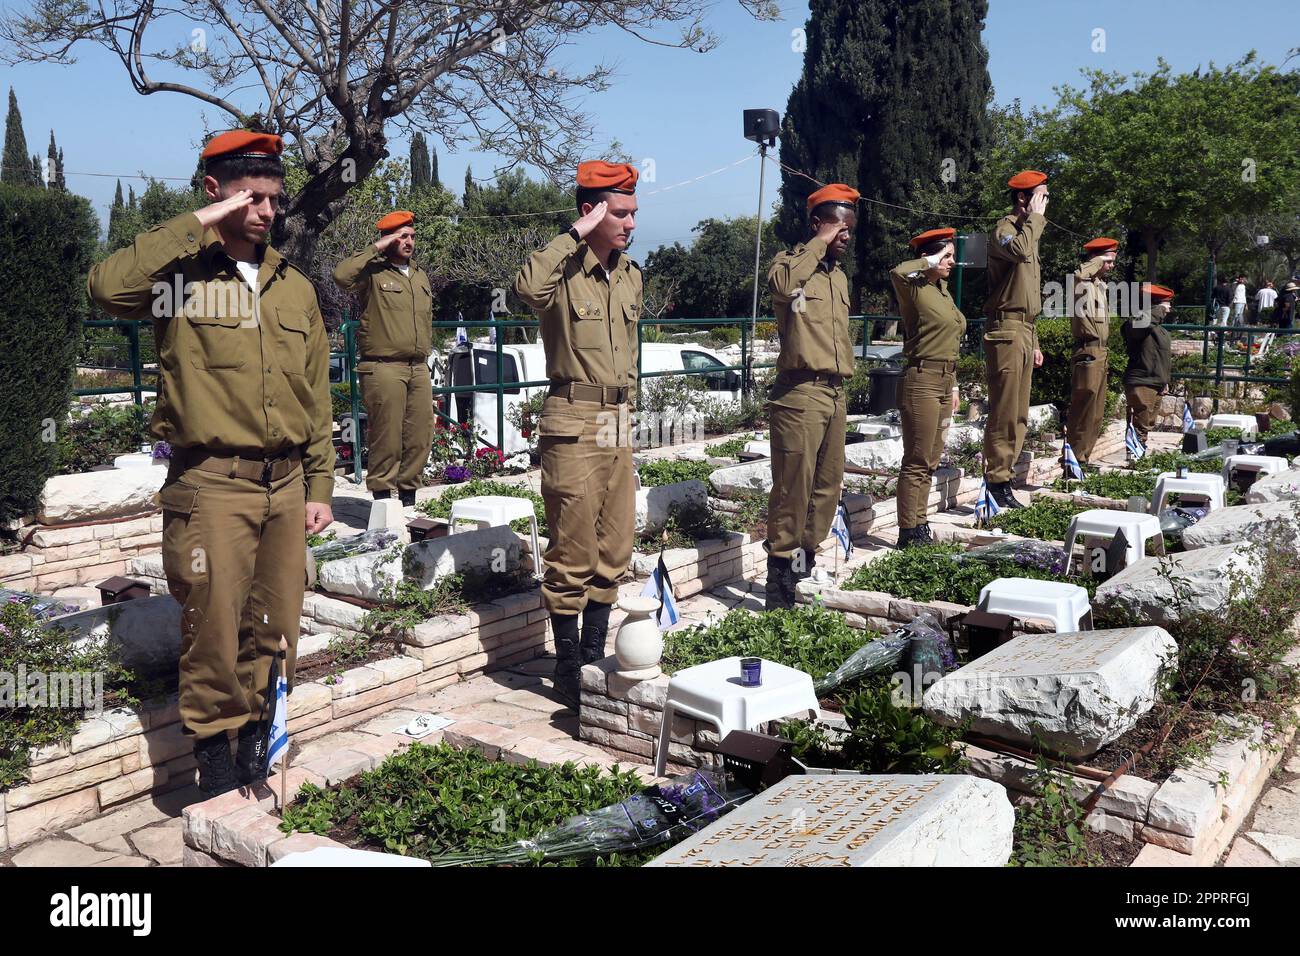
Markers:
point(1224, 371)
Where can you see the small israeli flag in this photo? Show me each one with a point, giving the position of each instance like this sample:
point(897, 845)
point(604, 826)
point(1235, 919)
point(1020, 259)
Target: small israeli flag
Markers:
point(492, 335)
point(278, 744)
point(840, 528)
point(1188, 422)
point(660, 586)
point(1067, 455)
point(985, 506)
point(1133, 444)
point(462, 336)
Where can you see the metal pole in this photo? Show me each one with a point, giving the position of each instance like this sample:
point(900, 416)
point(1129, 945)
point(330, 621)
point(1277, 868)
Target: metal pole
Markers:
point(758, 254)
point(499, 335)
point(960, 250)
point(133, 347)
point(354, 388)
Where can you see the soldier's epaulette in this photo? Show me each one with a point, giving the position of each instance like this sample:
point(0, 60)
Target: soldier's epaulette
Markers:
point(290, 265)
point(633, 263)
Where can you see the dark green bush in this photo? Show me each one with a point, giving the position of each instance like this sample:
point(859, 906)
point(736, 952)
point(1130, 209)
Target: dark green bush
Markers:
point(668, 471)
point(47, 240)
point(809, 638)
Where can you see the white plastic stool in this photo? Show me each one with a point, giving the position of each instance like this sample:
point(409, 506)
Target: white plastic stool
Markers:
point(1246, 423)
point(1103, 523)
point(494, 511)
point(713, 693)
point(1263, 464)
point(1065, 605)
point(1197, 485)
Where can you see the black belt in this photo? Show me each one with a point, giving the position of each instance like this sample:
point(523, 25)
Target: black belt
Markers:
point(399, 361)
point(935, 364)
point(582, 392)
point(252, 467)
point(803, 375)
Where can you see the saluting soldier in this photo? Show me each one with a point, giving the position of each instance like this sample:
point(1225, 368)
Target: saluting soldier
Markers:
point(1150, 359)
point(244, 402)
point(1089, 365)
point(806, 404)
point(932, 331)
point(1010, 338)
point(587, 294)
point(394, 344)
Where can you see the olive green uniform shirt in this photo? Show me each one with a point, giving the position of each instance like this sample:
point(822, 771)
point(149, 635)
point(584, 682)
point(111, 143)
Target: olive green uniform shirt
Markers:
point(1150, 360)
point(236, 375)
point(932, 323)
point(1090, 323)
point(1015, 283)
point(397, 309)
point(811, 301)
point(588, 316)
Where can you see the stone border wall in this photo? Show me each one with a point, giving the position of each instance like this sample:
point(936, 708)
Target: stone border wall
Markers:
point(123, 754)
point(60, 557)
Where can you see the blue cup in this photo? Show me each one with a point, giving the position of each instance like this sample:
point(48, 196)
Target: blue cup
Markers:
point(751, 671)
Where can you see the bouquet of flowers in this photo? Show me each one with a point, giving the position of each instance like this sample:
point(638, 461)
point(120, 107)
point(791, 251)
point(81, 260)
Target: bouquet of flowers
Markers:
point(367, 541)
point(1026, 552)
point(659, 816)
point(486, 462)
point(455, 474)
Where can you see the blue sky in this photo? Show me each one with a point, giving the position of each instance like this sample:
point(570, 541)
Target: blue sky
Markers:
point(683, 109)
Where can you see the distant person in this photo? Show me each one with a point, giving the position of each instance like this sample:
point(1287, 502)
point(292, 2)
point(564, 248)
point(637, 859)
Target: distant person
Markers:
point(1265, 298)
point(1089, 364)
point(1285, 311)
point(1222, 299)
point(1239, 301)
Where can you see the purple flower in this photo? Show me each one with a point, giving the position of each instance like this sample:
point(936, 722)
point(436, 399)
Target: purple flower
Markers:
point(162, 451)
point(456, 473)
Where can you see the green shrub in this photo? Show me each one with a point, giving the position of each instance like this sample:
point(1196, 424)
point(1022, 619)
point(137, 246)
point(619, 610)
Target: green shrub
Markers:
point(1049, 830)
point(47, 240)
point(29, 646)
point(929, 573)
point(807, 638)
point(101, 435)
point(721, 336)
point(1111, 484)
point(426, 801)
point(1217, 436)
point(1047, 519)
point(440, 507)
point(686, 527)
point(341, 401)
point(667, 471)
point(731, 448)
point(857, 389)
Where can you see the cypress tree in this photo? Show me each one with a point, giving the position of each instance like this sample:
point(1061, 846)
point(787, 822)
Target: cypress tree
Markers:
point(52, 160)
point(38, 179)
point(470, 188)
point(419, 163)
point(17, 167)
point(892, 100)
point(433, 167)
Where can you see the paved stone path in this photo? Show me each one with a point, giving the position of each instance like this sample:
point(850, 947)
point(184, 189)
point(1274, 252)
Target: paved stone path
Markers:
point(1271, 835)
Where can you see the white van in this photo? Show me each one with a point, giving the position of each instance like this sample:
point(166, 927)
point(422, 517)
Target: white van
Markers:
point(476, 364)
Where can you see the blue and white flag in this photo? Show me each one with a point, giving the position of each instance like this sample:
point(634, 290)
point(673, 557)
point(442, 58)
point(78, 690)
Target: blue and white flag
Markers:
point(985, 506)
point(840, 528)
point(1188, 422)
point(1071, 462)
point(492, 334)
point(1133, 443)
point(278, 745)
point(462, 336)
point(660, 586)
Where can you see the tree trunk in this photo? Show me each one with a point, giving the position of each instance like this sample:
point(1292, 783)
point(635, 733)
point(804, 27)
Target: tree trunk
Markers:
point(1152, 243)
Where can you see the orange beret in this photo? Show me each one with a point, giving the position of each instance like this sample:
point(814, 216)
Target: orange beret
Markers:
point(835, 192)
point(1028, 179)
point(1101, 244)
point(395, 220)
point(1158, 293)
point(930, 235)
point(598, 174)
point(242, 142)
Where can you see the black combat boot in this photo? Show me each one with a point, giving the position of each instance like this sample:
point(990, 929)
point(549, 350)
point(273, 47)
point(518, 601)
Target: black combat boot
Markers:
point(407, 497)
point(924, 535)
point(906, 538)
point(250, 756)
point(568, 658)
point(381, 495)
point(1002, 494)
point(216, 769)
point(780, 584)
point(595, 626)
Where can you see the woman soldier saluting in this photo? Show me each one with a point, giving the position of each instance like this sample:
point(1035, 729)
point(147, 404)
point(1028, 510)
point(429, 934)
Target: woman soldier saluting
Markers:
point(932, 331)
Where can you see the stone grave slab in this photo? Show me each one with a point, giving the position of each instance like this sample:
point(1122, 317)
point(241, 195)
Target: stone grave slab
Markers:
point(1242, 523)
point(146, 632)
point(654, 505)
point(495, 549)
point(859, 820)
point(1076, 692)
point(1197, 580)
point(883, 453)
point(1284, 486)
point(741, 479)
